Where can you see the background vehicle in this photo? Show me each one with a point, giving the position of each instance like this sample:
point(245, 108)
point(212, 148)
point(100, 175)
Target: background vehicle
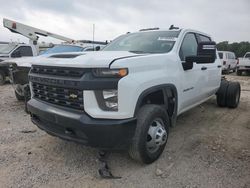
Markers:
point(12, 50)
point(16, 50)
point(129, 94)
point(19, 68)
point(229, 61)
point(244, 64)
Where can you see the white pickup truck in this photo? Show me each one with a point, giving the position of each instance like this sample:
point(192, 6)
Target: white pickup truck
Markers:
point(129, 94)
point(10, 51)
point(243, 64)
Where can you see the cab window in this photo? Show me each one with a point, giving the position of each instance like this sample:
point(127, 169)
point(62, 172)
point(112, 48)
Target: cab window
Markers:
point(24, 51)
point(221, 55)
point(204, 38)
point(188, 47)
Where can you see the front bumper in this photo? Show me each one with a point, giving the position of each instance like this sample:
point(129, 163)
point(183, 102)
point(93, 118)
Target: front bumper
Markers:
point(75, 125)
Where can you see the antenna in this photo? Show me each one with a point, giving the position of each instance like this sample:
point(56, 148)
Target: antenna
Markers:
point(93, 36)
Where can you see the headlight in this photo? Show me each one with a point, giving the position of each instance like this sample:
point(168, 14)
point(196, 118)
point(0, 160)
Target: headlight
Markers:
point(105, 72)
point(107, 99)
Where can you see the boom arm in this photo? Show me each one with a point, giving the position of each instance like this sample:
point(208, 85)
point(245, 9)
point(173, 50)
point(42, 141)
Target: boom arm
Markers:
point(31, 32)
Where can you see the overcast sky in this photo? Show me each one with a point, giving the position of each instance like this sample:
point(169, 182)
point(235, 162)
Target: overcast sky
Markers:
point(225, 20)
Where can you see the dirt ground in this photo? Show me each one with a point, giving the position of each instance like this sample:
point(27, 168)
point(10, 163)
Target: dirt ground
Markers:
point(209, 147)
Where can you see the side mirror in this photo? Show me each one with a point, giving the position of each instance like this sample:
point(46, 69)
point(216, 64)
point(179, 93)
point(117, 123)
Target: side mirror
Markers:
point(16, 53)
point(206, 53)
point(97, 48)
point(187, 65)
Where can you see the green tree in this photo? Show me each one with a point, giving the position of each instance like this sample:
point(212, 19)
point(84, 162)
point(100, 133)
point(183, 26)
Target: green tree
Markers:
point(238, 48)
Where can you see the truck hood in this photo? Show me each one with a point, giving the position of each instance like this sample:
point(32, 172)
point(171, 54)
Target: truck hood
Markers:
point(27, 61)
point(86, 59)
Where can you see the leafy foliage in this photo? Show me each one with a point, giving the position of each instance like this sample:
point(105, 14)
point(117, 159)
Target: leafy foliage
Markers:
point(238, 48)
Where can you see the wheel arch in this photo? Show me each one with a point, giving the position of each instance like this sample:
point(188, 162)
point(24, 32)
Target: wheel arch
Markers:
point(169, 101)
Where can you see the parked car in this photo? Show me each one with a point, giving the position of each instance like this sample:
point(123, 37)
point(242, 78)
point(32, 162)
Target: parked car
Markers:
point(129, 94)
point(228, 60)
point(244, 64)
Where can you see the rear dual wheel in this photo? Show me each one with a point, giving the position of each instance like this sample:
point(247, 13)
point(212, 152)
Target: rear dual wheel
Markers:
point(233, 94)
point(228, 94)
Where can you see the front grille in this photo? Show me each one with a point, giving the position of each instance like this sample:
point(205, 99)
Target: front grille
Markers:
point(58, 71)
point(67, 97)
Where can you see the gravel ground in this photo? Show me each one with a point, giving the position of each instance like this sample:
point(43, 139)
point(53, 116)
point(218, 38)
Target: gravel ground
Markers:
point(209, 147)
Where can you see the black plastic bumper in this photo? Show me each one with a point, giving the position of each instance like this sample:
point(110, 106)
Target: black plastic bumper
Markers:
point(77, 126)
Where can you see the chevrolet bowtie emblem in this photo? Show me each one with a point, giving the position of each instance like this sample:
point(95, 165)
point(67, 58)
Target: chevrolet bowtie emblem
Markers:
point(73, 96)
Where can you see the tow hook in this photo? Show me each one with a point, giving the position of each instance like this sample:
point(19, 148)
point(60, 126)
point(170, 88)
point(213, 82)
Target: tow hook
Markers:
point(104, 170)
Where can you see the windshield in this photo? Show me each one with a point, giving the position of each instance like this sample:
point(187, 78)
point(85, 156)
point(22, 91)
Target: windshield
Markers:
point(221, 55)
point(62, 49)
point(144, 42)
point(7, 48)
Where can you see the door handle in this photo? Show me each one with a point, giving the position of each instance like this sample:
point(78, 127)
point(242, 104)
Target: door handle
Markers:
point(219, 66)
point(203, 68)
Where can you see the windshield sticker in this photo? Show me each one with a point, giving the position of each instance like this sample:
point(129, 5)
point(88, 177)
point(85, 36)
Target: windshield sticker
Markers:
point(167, 38)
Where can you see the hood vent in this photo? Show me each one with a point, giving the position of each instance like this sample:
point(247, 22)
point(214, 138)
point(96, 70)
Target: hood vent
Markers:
point(65, 55)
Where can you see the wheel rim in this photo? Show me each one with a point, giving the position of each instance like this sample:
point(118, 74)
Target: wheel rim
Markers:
point(157, 136)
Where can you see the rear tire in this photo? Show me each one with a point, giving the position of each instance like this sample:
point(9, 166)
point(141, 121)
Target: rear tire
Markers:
point(2, 78)
point(238, 72)
point(233, 94)
point(151, 134)
point(222, 94)
point(228, 70)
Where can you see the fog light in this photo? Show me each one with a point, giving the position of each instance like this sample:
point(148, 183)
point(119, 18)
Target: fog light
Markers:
point(107, 99)
point(110, 98)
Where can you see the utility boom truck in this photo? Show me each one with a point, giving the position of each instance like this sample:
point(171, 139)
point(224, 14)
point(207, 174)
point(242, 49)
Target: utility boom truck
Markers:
point(129, 94)
point(19, 67)
point(17, 50)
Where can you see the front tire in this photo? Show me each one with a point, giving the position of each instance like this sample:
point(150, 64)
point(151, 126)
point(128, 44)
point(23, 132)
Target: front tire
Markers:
point(19, 97)
point(151, 134)
point(2, 78)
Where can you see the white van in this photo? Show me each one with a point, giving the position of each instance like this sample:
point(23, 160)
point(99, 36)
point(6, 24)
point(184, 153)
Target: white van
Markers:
point(228, 60)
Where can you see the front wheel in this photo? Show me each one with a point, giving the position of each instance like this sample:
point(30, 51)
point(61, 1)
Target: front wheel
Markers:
point(151, 134)
point(18, 96)
point(2, 78)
